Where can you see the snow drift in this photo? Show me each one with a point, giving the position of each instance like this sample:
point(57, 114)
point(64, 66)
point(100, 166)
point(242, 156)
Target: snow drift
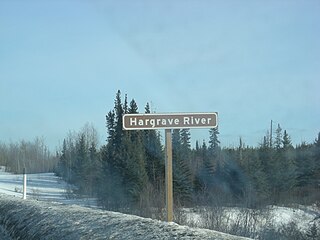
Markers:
point(31, 219)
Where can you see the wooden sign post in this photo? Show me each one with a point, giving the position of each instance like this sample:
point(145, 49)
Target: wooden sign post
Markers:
point(168, 122)
point(168, 175)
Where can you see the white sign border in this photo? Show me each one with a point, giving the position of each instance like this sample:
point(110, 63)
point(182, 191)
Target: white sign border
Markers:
point(167, 114)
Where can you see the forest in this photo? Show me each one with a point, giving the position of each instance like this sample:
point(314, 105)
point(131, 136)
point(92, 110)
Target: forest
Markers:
point(127, 172)
point(31, 155)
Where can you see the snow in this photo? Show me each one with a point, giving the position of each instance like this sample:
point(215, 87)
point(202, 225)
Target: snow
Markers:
point(255, 220)
point(41, 186)
point(49, 210)
point(4, 234)
point(301, 215)
point(44, 185)
point(52, 218)
point(31, 219)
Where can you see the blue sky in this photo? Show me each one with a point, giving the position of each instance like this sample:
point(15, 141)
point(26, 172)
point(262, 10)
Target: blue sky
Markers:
point(61, 63)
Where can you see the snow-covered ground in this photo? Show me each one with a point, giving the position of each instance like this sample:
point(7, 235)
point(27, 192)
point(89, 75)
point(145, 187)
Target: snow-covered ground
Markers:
point(50, 188)
point(303, 216)
point(41, 186)
point(50, 219)
point(254, 221)
point(31, 219)
point(45, 186)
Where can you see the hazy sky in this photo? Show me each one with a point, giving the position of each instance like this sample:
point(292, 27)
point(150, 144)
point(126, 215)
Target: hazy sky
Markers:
point(61, 63)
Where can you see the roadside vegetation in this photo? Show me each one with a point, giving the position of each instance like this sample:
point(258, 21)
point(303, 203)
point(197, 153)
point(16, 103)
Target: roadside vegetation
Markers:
point(127, 174)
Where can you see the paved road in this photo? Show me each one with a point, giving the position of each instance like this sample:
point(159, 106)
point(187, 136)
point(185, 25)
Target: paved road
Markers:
point(3, 234)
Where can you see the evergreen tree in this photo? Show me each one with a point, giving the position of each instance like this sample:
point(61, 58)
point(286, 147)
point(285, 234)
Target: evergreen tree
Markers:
point(63, 162)
point(80, 164)
point(186, 153)
point(111, 127)
point(154, 156)
point(206, 170)
point(94, 170)
point(211, 160)
point(79, 160)
point(233, 179)
point(196, 167)
point(256, 189)
point(111, 192)
point(197, 157)
point(266, 158)
point(305, 164)
point(241, 160)
point(286, 142)
point(134, 135)
point(316, 159)
point(118, 109)
point(278, 140)
point(123, 159)
point(133, 107)
point(114, 194)
point(288, 164)
point(276, 179)
point(182, 183)
point(185, 139)
point(214, 143)
point(125, 105)
point(136, 175)
point(132, 166)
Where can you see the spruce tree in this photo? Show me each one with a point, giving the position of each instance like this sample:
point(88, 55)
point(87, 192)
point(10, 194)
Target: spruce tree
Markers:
point(154, 156)
point(288, 164)
point(275, 177)
point(278, 140)
point(265, 155)
point(81, 164)
point(94, 171)
point(136, 175)
point(214, 143)
point(118, 109)
point(305, 165)
point(124, 158)
point(186, 153)
point(256, 189)
point(114, 194)
point(182, 183)
point(196, 168)
point(211, 160)
point(110, 120)
point(206, 171)
point(316, 159)
point(63, 162)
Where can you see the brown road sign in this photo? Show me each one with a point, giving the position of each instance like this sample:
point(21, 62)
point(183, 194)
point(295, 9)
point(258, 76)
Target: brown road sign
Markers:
point(169, 121)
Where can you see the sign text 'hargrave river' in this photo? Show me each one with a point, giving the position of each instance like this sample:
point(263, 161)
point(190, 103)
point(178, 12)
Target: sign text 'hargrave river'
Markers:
point(169, 121)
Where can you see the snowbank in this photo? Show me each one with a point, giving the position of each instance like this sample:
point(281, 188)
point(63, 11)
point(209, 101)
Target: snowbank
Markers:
point(31, 219)
point(3, 234)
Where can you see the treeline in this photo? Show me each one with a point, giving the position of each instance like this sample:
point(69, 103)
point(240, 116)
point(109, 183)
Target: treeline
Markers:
point(128, 171)
point(34, 156)
point(80, 161)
